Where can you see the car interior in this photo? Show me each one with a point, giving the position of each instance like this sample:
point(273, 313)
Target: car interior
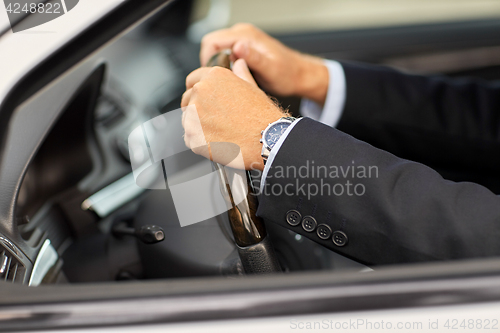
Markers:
point(78, 190)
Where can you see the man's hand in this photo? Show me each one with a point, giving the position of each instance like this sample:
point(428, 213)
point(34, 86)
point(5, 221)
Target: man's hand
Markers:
point(278, 69)
point(231, 108)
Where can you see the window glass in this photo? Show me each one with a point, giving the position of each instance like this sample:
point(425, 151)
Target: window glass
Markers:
point(314, 15)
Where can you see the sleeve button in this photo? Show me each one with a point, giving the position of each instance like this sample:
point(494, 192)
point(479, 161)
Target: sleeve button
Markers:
point(309, 223)
point(339, 238)
point(293, 217)
point(324, 231)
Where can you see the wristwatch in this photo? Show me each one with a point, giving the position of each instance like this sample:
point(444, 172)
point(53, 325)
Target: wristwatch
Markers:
point(272, 134)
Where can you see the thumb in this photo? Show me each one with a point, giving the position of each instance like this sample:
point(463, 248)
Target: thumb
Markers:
point(241, 70)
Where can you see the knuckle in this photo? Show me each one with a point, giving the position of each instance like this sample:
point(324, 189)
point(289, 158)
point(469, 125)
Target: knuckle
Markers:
point(211, 37)
point(217, 71)
point(185, 101)
point(244, 26)
point(206, 39)
point(213, 70)
point(189, 79)
point(197, 87)
point(188, 130)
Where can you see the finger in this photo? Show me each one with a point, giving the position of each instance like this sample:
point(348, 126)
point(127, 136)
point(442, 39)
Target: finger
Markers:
point(193, 130)
point(190, 119)
point(186, 97)
point(251, 51)
point(195, 76)
point(241, 70)
point(183, 120)
point(187, 118)
point(216, 41)
point(186, 141)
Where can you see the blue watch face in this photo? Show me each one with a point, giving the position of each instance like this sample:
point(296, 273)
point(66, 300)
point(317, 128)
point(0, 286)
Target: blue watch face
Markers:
point(274, 133)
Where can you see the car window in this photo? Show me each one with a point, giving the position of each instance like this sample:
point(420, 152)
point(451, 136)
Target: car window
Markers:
point(279, 16)
point(145, 78)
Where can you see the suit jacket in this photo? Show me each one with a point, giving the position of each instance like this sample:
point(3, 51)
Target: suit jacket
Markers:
point(376, 207)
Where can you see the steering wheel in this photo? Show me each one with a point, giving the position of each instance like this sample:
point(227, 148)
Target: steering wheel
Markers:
point(254, 247)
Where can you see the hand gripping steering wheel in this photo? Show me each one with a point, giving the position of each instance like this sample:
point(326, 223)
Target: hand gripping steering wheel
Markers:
point(254, 247)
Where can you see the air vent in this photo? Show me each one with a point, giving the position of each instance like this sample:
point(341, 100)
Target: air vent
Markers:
point(11, 268)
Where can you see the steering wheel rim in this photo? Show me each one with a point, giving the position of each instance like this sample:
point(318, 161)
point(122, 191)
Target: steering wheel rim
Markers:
point(254, 247)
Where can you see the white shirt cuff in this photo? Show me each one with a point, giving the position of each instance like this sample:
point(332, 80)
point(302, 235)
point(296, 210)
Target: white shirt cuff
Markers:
point(274, 152)
point(331, 112)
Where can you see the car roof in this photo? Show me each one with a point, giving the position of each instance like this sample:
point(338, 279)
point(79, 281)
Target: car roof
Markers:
point(22, 51)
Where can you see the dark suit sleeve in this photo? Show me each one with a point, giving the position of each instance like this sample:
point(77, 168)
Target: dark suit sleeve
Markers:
point(453, 124)
point(393, 211)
